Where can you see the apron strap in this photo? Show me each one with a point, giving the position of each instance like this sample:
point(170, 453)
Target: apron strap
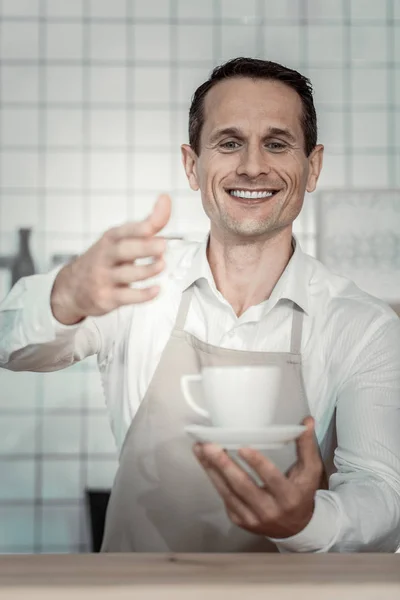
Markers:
point(184, 308)
point(297, 329)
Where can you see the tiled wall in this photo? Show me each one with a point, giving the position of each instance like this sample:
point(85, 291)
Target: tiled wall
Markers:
point(94, 96)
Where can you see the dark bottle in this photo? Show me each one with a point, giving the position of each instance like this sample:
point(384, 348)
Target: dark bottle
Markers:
point(23, 263)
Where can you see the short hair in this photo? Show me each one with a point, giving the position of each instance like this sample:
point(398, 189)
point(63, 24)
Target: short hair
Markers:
point(255, 68)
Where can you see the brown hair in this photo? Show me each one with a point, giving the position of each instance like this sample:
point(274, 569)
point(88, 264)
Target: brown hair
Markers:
point(255, 68)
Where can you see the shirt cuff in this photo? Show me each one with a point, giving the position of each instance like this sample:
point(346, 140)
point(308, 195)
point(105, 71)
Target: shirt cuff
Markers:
point(39, 322)
point(323, 530)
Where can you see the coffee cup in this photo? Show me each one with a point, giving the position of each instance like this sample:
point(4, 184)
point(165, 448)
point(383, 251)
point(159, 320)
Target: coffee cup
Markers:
point(240, 397)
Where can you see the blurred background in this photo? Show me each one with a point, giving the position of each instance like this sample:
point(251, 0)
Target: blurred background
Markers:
point(94, 99)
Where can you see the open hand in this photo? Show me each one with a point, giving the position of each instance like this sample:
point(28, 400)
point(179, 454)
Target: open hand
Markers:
point(284, 505)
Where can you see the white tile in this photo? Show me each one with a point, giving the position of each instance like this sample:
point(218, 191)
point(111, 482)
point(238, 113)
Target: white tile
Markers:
point(157, 9)
point(195, 10)
point(282, 44)
point(108, 84)
point(64, 389)
point(397, 170)
point(64, 170)
point(182, 131)
point(100, 438)
point(62, 526)
point(151, 85)
point(195, 42)
point(151, 128)
point(18, 126)
point(20, 7)
point(189, 79)
point(108, 127)
point(19, 169)
point(94, 390)
point(144, 172)
point(189, 213)
point(369, 86)
point(18, 389)
point(107, 170)
point(61, 433)
point(333, 174)
point(328, 9)
point(326, 44)
point(396, 49)
point(106, 212)
point(370, 130)
point(18, 480)
point(396, 84)
point(101, 473)
point(370, 171)
point(64, 214)
point(60, 8)
point(64, 84)
point(19, 40)
point(64, 244)
point(64, 41)
point(282, 9)
point(368, 9)
point(234, 9)
point(61, 479)
point(64, 127)
point(17, 434)
point(331, 130)
point(238, 40)
point(368, 44)
point(20, 211)
point(327, 85)
point(151, 42)
point(105, 8)
point(396, 8)
point(17, 528)
point(107, 41)
point(19, 84)
point(142, 205)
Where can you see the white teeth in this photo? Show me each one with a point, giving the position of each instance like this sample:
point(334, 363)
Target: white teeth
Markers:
point(246, 194)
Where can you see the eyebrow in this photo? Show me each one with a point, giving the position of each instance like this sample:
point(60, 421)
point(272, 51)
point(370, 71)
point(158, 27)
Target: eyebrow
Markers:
point(235, 132)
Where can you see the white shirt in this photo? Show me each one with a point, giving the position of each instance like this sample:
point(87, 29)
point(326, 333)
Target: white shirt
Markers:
point(351, 361)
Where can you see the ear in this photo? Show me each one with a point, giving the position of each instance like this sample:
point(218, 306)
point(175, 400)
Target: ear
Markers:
point(315, 161)
point(189, 158)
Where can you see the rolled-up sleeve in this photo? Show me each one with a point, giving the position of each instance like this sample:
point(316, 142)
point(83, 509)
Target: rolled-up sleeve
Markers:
point(361, 510)
point(31, 339)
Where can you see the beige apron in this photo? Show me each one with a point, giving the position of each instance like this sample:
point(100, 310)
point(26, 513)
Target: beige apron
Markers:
point(162, 500)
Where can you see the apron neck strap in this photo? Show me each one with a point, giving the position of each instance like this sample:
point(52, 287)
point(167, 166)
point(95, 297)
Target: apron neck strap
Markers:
point(184, 308)
point(297, 329)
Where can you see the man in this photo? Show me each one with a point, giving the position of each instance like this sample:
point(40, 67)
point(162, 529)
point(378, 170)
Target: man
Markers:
point(247, 295)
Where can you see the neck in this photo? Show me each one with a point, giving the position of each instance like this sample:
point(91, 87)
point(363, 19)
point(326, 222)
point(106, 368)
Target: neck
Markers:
point(246, 272)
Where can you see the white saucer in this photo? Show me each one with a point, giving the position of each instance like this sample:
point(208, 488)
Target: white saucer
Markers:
point(274, 436)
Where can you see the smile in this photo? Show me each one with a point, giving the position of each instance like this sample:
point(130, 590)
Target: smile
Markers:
point(251, 194)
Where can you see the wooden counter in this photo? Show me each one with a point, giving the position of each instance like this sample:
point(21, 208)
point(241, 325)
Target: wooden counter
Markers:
point(201, 576)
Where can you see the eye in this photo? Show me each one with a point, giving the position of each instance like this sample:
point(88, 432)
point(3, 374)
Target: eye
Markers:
point(276, 146)
point(231, 145)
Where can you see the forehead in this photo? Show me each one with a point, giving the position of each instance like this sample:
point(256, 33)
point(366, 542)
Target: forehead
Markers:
point(252, 104)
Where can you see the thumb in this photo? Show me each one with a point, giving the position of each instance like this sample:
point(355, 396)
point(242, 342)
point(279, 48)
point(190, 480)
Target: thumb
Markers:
point(307, 447)
point(161, 213)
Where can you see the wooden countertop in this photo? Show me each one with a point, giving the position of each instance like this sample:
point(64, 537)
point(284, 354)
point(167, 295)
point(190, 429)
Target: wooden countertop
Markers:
point(205, 576)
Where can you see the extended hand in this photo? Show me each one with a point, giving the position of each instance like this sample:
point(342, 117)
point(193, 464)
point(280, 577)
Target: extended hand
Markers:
point(284, 505)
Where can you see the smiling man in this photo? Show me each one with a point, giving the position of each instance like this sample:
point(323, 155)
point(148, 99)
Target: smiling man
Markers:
point(247, 295)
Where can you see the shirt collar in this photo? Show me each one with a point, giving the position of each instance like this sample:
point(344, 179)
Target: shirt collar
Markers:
point(292, 285)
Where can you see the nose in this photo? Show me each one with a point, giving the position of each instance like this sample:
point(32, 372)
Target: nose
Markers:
point(253, 162)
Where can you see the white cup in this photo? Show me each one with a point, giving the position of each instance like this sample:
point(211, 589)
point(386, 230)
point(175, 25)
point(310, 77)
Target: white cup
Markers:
point(236, 397)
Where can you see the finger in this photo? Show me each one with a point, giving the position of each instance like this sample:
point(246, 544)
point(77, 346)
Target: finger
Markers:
point(127, 295)
point(158, 218)
point(128, 250)
point(126, 274)
point(276, 483)
point(244, 488)
point(307, 446)
point(239, 511)
point(161, 214)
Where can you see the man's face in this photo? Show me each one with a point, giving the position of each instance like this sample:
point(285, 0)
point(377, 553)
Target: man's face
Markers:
point(252, 141)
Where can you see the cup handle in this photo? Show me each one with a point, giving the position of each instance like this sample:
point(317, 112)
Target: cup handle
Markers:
point(186, 380)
